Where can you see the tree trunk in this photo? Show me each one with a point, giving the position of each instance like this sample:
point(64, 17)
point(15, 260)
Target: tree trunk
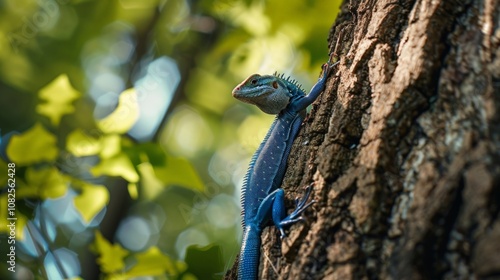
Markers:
point(404, 149)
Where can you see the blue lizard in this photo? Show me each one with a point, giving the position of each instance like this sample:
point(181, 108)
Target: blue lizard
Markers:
point(262, 197)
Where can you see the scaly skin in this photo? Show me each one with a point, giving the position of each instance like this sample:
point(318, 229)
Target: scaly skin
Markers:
point(262, 198)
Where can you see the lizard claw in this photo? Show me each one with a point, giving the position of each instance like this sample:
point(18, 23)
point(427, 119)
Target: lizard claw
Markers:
point(328, 67)
point(290, 222)
point(300, 206)
point(282, 233)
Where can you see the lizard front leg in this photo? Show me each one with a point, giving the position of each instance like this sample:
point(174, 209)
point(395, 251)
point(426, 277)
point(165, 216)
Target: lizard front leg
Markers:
point(316, 89)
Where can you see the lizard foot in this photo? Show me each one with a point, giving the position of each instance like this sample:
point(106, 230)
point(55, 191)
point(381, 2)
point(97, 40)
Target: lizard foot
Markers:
point(328, 67)
point(300, 206)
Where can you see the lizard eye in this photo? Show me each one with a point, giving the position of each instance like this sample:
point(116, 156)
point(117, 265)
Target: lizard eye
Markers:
point(275, 84)
point(254, 81)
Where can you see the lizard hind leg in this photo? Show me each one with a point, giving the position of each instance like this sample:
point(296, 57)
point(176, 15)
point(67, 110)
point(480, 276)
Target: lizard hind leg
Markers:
point(279, 212)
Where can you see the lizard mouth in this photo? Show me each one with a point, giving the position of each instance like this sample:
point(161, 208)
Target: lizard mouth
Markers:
point(252, 93)
point(255, 97)
point(268, 100)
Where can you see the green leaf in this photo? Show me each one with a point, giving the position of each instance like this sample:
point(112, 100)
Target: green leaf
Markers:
point(118, 165)
point(133, 191)
point(151, 186)
point(188, 276)
point(111, 145)
point(110, 255)
point(91, 200)
point(20, 222)
point(57, 97)
point(81, 144)
point(44, 183)
point(124, 116)
point(149, 151)
point(152, 262)
point(204, 262)
point(179, 172)
point(34, 145)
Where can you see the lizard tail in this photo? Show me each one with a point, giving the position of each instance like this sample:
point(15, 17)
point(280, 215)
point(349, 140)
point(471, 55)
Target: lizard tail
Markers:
point(248, 267)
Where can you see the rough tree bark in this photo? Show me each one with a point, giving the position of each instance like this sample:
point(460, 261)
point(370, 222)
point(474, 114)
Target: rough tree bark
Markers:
point(404, 148)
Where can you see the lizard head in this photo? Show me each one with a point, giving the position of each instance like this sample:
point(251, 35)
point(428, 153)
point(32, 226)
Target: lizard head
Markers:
point(269, 93)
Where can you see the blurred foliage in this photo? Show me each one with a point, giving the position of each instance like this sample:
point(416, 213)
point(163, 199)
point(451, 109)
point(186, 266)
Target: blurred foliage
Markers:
point(73, 78)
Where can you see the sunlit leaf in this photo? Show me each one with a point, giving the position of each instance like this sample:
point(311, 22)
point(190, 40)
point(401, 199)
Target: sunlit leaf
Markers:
point(152, 262)
point(44, 183)
point(179, 172)
point(110, 145)
point(151, 185)
point(188, 276)
point(57, 97)
point(118, 165)
point(110, 255)
point(124, 116)
point(81, 144)
point(4, 142)
point(20, 219)
point(132, 190)
point(34, 145)
point(91, 200)
point(20, 223)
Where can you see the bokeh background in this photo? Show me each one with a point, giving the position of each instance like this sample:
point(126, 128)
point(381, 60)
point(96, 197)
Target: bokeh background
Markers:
point(129, 149)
